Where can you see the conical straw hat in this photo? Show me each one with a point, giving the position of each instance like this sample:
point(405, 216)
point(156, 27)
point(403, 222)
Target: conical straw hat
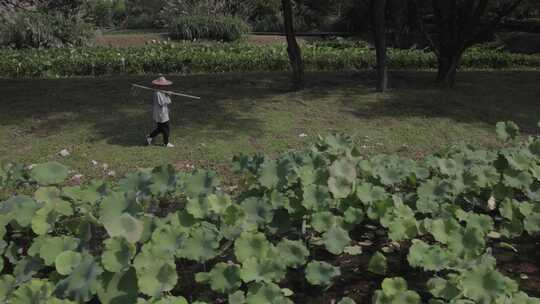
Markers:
point(162, 81)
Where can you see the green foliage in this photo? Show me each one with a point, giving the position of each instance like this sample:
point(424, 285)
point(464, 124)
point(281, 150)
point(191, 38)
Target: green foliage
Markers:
point(346, 300)
point(321, 273)
point(120, 287)
point(34, 291)
point(82, 283)
point(49, 248)
point(394, 291)
point(202, 244)
point(336, 239)
point(222, 28)
point(430, 258)
point(7, 284)
point(52, 199)
point(292, 253)
point(188, 57)
point(141, 21)
point(20, 209)
point(112, 243)
point(27, 29)
point(125, 226)
point(268, 269)
point(251, 245)
point(52, 173)
point(117, 254)
point(154, 276)
point(66, 262)
point(377, 264)
point(261, 293)
point(172, 300)
point(507, 130)
point(223, 278)
point(482, 284)
point(342, 178)
point(104, 13)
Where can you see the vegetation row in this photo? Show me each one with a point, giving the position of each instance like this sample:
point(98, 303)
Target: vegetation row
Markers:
point(192, 58)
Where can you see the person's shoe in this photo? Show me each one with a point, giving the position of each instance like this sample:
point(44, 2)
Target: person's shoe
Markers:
point(169, 145)
point(148, 140)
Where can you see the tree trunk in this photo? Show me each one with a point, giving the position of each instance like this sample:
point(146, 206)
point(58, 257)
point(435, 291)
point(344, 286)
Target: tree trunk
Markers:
point(459, 27)
point(379, 33)
point(450, 40)
point(293, 49)
point(447, 69)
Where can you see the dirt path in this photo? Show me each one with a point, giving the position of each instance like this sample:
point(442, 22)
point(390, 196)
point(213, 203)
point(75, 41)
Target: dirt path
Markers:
point(127, 40)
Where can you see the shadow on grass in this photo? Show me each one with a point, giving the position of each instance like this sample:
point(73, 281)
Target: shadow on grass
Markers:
point(478, 97)
point(105, 105)
point(48, 107)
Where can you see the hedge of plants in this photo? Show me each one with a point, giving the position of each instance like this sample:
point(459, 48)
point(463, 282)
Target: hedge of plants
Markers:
point(290, 232)
point(220, 28)
point(237, 57)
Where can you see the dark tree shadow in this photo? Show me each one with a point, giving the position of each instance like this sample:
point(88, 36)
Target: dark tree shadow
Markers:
point(47, 107)
point(478, 97)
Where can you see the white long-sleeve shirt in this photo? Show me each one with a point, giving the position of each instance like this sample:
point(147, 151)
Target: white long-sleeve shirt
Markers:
point(161, 107)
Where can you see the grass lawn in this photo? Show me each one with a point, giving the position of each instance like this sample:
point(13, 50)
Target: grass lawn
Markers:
point(98, 119)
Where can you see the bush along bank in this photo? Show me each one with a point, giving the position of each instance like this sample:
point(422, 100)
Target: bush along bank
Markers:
point(186, 58)
point(224, 28)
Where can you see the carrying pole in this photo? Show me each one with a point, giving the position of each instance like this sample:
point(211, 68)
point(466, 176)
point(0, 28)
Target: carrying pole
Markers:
point(166, 92)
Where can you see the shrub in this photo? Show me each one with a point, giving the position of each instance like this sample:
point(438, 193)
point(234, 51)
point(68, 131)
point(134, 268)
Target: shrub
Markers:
point(42, 30)
point(171, 9)
point(142, 21)
point(119, 10)
point(342, 43)
point(139, 14)
point(224, 28)
point(99, 12)
point(66, 7)
point(268, 23)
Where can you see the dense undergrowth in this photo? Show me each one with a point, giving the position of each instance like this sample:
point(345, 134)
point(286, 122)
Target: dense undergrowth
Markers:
point(219, 28)
point(214, 58)
point(25, 29)
point(137, 240)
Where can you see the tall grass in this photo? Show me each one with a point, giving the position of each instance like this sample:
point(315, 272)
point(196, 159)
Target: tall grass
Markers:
point(26, 29)
point(225, 28)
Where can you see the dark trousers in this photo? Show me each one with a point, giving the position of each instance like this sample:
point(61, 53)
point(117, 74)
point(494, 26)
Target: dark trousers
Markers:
point(162, 127)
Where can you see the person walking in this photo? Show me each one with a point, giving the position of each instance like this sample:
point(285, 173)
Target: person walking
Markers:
point(162, 100)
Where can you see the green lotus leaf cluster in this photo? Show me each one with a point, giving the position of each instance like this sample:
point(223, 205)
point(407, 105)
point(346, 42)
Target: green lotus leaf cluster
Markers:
point(222, 278)
point(295, 219)
point(378, 263)
point(82, 282)
point(395, 291)
point(117, 255)
point(342, 177)
point(51, 173)
point(154, 275)
point(507, 130)
point(321, 273)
